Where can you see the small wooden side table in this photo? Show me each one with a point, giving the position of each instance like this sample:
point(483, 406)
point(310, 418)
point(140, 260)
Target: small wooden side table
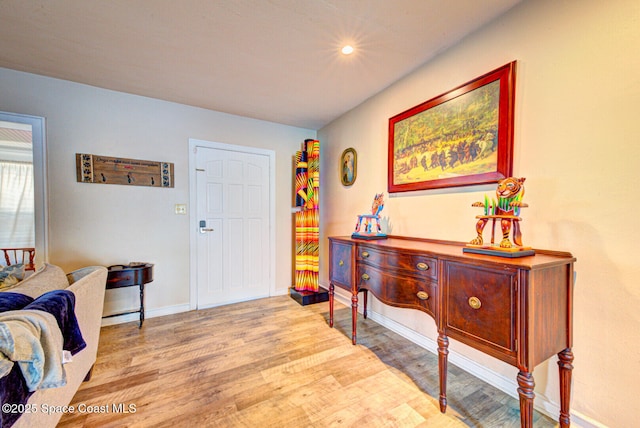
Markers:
point(139, 274)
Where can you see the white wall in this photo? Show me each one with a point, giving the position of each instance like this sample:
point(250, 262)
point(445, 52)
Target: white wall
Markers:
point(111, 224)
point(576, 142)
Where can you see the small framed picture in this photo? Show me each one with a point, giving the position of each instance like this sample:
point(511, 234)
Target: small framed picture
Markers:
point(348, 166)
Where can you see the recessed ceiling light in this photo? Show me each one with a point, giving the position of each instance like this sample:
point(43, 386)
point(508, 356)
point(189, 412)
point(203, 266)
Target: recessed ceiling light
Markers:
point(347, 50)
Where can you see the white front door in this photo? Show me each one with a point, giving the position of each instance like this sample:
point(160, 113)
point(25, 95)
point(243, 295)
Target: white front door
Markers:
point(233, 225)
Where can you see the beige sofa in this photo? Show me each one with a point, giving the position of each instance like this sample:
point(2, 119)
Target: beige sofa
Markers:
point(88, 286)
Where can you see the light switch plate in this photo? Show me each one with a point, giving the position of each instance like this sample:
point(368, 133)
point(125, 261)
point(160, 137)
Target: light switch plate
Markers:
point(181, 208)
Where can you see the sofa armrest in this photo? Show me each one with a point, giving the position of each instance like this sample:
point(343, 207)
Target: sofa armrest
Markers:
point(88, 285)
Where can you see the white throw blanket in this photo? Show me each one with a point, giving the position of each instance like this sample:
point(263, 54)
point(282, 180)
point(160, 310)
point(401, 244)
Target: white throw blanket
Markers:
point(32, 339)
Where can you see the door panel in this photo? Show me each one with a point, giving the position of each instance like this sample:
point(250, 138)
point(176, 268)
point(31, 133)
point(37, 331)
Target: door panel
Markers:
point(233, 196)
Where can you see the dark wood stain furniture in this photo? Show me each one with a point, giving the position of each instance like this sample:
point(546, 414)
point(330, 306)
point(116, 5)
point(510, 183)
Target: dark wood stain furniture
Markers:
point(130, 275)
point(25, 256)
point(518, 310)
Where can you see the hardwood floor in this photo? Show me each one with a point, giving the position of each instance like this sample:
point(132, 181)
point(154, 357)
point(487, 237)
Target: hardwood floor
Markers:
point(274, 363)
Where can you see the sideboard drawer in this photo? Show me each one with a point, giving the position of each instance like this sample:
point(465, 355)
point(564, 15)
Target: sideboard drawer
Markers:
point(481, 308)
point(371, 256)
point(414, 263)
point(371, 279)
point(398, 290)
point(341, 264)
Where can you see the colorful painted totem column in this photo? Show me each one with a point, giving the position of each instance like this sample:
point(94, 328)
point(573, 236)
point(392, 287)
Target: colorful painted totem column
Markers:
point(308, 217)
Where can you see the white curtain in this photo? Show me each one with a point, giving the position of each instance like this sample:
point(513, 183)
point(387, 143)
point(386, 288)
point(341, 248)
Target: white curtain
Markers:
point(16, 205)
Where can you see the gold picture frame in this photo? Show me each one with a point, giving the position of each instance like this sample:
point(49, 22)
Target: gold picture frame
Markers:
point(348, 166)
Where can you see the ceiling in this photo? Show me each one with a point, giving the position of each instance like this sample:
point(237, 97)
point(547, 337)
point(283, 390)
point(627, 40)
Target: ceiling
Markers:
point(275, 60)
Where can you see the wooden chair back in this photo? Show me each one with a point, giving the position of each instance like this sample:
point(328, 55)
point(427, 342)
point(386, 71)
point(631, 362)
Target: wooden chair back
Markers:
point(25, 256)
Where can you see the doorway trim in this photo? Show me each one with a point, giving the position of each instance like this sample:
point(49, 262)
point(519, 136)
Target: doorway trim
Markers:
point(40, 194)
point(193, 221)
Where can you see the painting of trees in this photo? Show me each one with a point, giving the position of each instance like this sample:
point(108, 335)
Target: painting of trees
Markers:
point(456, 137)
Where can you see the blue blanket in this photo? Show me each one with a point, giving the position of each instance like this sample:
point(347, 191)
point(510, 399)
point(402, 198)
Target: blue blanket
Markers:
point(60, 304)
point(13, 301)
point(13, 390)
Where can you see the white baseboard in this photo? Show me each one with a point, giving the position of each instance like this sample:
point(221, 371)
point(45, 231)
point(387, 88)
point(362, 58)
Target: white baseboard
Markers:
point(509, 386)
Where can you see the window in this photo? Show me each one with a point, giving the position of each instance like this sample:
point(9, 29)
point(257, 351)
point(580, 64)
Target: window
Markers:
point(23, 202)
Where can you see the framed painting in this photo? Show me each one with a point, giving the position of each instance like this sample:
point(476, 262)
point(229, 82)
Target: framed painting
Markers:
point(348, 166)
point(460, 138)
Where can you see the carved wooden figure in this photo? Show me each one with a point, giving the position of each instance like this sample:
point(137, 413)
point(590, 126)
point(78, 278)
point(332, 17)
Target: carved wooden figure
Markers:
point(509, 192)
point(370, 219)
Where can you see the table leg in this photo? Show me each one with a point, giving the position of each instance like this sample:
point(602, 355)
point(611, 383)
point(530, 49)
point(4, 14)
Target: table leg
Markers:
point(526, 385)
point(443, 352)
point(141, 304)
point(331, 293)
point(565, 363)
point(354, 316)
point(366, 295)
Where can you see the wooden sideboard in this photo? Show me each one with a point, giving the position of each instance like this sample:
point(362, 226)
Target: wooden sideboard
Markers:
point(518, 310)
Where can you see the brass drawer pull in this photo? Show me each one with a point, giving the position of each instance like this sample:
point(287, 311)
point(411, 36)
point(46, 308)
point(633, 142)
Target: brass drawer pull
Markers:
point(365, 277)
point(422, 295)
point(341, 263)
point(474, 302)
point(365, 254)
point(422, 266)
